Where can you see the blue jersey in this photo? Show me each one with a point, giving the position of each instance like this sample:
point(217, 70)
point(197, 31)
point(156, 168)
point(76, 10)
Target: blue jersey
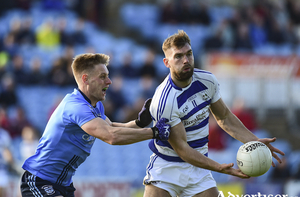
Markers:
point(64, 145)
point(190, 106)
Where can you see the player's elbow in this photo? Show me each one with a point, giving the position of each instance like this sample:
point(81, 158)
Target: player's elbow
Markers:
point(114, 139)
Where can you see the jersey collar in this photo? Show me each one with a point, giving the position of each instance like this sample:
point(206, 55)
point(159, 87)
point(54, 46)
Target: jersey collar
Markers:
point(175, 86)
point(84, 96)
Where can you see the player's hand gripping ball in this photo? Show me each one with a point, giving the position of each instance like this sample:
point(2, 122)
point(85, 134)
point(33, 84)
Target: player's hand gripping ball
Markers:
point(254, 158)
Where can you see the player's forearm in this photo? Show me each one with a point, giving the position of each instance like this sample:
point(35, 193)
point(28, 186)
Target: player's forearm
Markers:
point(130, 124)
point(195, 158)
point(234, 127)
point(123, 136)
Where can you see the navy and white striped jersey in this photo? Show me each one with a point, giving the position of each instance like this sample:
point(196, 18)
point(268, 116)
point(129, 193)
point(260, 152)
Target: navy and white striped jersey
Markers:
point(64, 145)
point(189, 105)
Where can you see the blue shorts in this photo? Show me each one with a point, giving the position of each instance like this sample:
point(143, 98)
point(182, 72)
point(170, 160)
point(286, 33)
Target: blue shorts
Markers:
point(33, 186)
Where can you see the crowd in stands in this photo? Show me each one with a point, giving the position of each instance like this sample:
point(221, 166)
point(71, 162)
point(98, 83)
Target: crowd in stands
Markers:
point(252, 25)
point(244, 27)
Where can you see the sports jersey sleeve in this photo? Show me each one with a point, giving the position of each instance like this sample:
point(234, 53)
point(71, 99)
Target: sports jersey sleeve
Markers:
point(216, 90)
point(79, 113)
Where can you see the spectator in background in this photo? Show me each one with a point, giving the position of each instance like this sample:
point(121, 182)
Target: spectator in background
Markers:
point(4, 120)
point(149, 85)
point(242, 40)
point(47, 36)
point(169, 13)
point(276, 33)
point(9, 45)
point(293, 10)
point(290, 35)
point(184, 12)
point(35, 75)
point(127, 70)
point(78, 36)
point(4, 58)
point(60, 73)
point(116, 98)
point(23, 4)
point(200, 14)
point(15, 28)
point(257, 31)
point(8, 97)
point(26, 34)
point(214, 42)
point(6, 160)
point(29, 142)
point(246, 116)
point(217, 139)
point(71, 37)
point(18, 122)
point(149, 66)
point(18, 70)
point(64, 36)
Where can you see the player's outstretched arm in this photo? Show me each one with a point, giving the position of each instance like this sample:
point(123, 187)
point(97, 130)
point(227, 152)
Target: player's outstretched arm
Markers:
point(179, 143)
point(234, 127)
point(101, 129)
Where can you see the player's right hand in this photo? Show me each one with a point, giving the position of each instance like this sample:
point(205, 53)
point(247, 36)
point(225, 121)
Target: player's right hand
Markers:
point(144, 116)
point(161, 130)
point(228, 169)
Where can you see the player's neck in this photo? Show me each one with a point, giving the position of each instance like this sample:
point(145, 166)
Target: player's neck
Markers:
point(182, 84)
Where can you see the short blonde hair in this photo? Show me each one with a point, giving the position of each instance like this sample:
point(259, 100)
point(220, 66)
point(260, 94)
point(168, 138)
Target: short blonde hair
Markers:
point(178, 40)
point(87, 61)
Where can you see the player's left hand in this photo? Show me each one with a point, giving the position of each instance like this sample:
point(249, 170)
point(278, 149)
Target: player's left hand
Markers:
point(267, 142)
point(144, 116)
point(161, 130)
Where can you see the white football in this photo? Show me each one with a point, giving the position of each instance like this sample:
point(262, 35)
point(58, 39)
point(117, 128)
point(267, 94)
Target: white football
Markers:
point(254, 158)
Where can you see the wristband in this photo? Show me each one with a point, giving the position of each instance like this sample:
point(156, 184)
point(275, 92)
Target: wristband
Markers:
point(154, 130)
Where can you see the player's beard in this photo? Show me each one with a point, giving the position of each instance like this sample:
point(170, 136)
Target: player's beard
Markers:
point(184, 75)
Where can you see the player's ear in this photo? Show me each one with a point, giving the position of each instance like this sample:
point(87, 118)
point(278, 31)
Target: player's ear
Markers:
point(166, 62)
point(84, 78)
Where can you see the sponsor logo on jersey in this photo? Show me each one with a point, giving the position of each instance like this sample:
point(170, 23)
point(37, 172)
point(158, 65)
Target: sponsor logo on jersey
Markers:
point(48, 189)
point(185, 109)
point(197, 119)
point(205, 95)
point(88, 138)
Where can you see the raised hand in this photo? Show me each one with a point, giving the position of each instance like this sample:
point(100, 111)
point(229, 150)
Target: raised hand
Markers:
point(144, 116)
point(161, 130)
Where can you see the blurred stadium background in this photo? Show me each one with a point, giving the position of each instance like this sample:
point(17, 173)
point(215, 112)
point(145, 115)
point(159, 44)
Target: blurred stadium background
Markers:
point(251, 46)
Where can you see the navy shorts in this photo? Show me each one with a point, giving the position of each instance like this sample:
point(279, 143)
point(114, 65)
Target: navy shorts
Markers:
point(33, 186)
